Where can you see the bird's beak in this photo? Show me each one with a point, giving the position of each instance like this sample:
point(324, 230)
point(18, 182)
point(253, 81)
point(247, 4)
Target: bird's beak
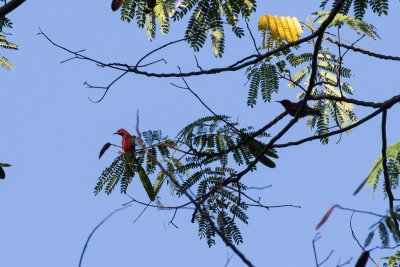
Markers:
point(115, 133)
point(278, 101)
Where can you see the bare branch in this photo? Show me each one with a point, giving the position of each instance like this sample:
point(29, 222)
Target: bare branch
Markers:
point(97, 226)
point(240, 64)
point(358, 242)
point(369, 53)
point(251, 35)
point(385, 105)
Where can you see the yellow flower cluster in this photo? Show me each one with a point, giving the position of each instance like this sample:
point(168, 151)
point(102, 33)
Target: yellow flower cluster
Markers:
point(280, 28)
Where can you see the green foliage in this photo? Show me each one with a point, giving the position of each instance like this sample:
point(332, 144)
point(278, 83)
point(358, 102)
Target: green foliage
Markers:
point(263, 78)
point(123, 168)
point(5, 44)
point(393, 163)
point(212, 152)
point(355, 24)
point(327, 79)
point(207, 18)
point(217, 208)
point(380, 7)
point(393, 261)
point(5, 165)
point(5, 23)
point(386, 230)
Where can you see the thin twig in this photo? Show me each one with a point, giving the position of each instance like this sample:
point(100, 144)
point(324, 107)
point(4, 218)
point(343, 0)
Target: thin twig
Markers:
point(360, 211)
point(358, 242)
point(316, 238)
point(229, 259)
point(240, 64)
point(106, 88)
point(157, 206)
point(94, 230)
point(172, 220)
point(251, 35)
point(344, 263)
point(145, 208)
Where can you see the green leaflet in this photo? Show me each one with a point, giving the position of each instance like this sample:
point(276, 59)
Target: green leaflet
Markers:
point(146, 183)
point(255, 147)
point(393, 260)
point(373, 176)
point(5, 165)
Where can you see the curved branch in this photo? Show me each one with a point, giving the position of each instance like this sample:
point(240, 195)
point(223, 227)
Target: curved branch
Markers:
point(385, 105)
point(356, 49)
point(94, 230)
point(240, 64)
point(386, 174)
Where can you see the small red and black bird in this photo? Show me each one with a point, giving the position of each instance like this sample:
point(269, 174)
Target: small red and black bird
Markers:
point(128, 143)
point(128, 148)
point(292, 109)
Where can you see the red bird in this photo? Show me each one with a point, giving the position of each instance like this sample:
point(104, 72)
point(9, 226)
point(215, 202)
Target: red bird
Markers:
point(128, 148)
point(128, 144)
point(292, 109)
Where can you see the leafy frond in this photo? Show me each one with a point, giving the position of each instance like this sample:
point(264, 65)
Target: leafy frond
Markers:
point(355, 24)
point(206, 18)
point(380, 7)
point(393, 157)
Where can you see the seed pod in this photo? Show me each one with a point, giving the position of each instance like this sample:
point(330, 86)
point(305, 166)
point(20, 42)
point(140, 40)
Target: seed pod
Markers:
point(362, 260)
point(2, 173)
point(116, 4)
point(105, 147)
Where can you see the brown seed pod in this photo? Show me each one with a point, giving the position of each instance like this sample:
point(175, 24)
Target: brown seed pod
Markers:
point(326, 216)
point(105, 147)
point(362, 260)
point(116, 4)
point(2, 173)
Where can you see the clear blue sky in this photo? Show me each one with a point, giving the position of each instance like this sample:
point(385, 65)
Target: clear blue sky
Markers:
point(51, 134)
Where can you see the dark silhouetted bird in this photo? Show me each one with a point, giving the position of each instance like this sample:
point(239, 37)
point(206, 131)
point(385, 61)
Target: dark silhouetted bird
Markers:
point(292, 108)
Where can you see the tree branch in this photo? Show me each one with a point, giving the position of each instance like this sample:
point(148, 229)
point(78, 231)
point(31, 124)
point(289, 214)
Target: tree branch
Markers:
point(386, 174)
point(192, 200)
point(369, 53)
point(10, 6)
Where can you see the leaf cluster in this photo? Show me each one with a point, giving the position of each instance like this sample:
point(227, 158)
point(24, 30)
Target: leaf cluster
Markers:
point(5, 44)
point(355, 24)
point(223, 148)
point(207, 18)
point(393, 261)
point(380, 7)
point(386, 230)
point(393, 164)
